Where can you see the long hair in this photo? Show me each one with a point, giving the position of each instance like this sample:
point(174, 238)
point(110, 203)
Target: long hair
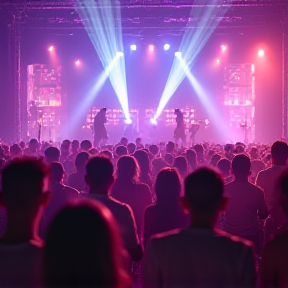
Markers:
point(128, 169)
point(83, 248)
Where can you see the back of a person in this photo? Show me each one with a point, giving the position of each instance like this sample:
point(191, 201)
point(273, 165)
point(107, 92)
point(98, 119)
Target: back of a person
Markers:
point(76, 180)
point(200, 258)
point(20, 265)
point(241, 216)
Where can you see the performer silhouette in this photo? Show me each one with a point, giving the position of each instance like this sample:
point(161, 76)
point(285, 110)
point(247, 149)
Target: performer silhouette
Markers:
point(100, 133)
point(179, 132)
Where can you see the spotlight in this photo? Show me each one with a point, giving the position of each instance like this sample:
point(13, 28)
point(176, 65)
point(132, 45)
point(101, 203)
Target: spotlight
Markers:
point(133, 47)
point(151, 48)
point(51, 48)
point(153, 121)
point(223, 48)
point(261, 53)
point(77, 62)
point(120, 54)
point(128, 121)
point(166, 47)
point(217, 61)
point(178, 54)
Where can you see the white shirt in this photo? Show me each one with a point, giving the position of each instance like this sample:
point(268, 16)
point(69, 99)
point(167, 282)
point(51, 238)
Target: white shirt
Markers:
point(198, 258)
point(21, 265)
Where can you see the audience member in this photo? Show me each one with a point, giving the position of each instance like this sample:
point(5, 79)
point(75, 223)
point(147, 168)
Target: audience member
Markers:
point(24, 195)
point(224, 166)
point(181, 164)
point(166, 214)
point(246, 204)
point(131, 147)
point(139, 144)
point(214, 160)
point(128, 189)
point(121, 150)
point(199, 149)
point(144, 164)
point(15, 151)
point(169, 158)
point(191, 157)
point(158, 164)
point(170, 146)
point(52, 154)
point(99, 177)
point(85, 145)
point(200, 256)
point(154, 150)
point(83, 249)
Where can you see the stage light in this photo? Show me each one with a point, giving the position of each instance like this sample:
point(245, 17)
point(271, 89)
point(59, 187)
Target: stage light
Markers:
point(261, 53)
point(153, 121)
point(178, 54)
point(192, 44)
point(166, 47)
point(128, 121)
point(120, 54)
point(133, 47)
point(77, 62)
point(51, 48)
point(151, 48)
point(223, 48)
point(218, 61)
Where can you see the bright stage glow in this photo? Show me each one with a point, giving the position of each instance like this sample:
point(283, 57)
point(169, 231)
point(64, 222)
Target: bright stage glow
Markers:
point(261, 53)
point(105, 31)
point(128, 121)
point(192, 44)
point(153, 121)
point(223, 48)
point(78, 62)
point(151, 48)
point(218, 61)
point(178, 54)
point(166, 47)
point(51, 49)
point(133, 47)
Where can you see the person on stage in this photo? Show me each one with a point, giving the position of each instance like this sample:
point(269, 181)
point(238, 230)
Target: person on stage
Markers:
point(100, 133)
point(179, 132)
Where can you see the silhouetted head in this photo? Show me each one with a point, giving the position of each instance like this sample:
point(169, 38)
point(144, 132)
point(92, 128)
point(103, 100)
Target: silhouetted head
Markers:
point(52, 154)
point(83, 248)
point(124, 141)
point(131, 147)
point(86, 145)
point(214, 160)
point(33, 144)
point(75, 146)
point(241, 165)
point(128, 169)
point(121, 150)
point(81, 160)
point(254, 153)
point(224, 165)
point(191, 156)
point(15, 151)
point(57, 172)
point(154, 150)
point(168, 186)
point(143, 161)
point(279, 152)
point(181, 164)
point(99, 173)
point(170, 146)
point(169, 158)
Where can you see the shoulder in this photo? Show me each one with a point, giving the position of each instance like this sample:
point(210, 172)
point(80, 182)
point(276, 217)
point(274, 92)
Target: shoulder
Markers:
point(71, 190)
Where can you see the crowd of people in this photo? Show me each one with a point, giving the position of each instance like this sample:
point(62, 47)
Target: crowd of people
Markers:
point(135, 215)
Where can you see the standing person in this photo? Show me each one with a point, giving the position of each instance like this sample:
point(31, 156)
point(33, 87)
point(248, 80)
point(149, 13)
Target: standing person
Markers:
point(83, 249)
point(100, 133)
point(246, 204)
point(200, 256)
point(24, 196)
point(266, 179)
point(128, 189)
point(179, 132)
point(275, 255)
point(99, 178)
point(144, 163)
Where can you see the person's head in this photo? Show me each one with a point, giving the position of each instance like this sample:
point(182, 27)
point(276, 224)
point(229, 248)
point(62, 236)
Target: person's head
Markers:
point(33, 144)
point(93, 152)
point(282, 184)
point(168, 186)
point(99, 174)
point(75, 146)
point(52, 154)
point(131, 147)
point(170, 146)
point(138, 141)
point(181, 164)
point(214, 160)
point(279, 153)
point(83, 248)
point(57, 172)
point(192, 158)
point(224, 165)
point(25, 183)
point(81, 160)
point(154, 150)
point(124, 141)
point(241, 166)
point(239, 148)
point(228, 148)
point(127, 169)
point(121, 151)
point(157, 165)
point(15, 151)
point(169, 158)
point(107, 154)
point(86, 145)
point(65, 147)
point(143, 161)
point(253, 153)
point(204, 196)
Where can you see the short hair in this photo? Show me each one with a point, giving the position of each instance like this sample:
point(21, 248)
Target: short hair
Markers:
point(121, 150)
point(279, 149)
point(224, 165)
point(181, 163)
point(22, 180)
point(154, 149)
point(57, 171)
point(131, 147)
point(99, 170)
point(204, 189)
point(124, 141)
point(86, 145)
point(241, 164)
point(52, 153)
point(170, 146)
point(81, 159)
point(199, 148)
